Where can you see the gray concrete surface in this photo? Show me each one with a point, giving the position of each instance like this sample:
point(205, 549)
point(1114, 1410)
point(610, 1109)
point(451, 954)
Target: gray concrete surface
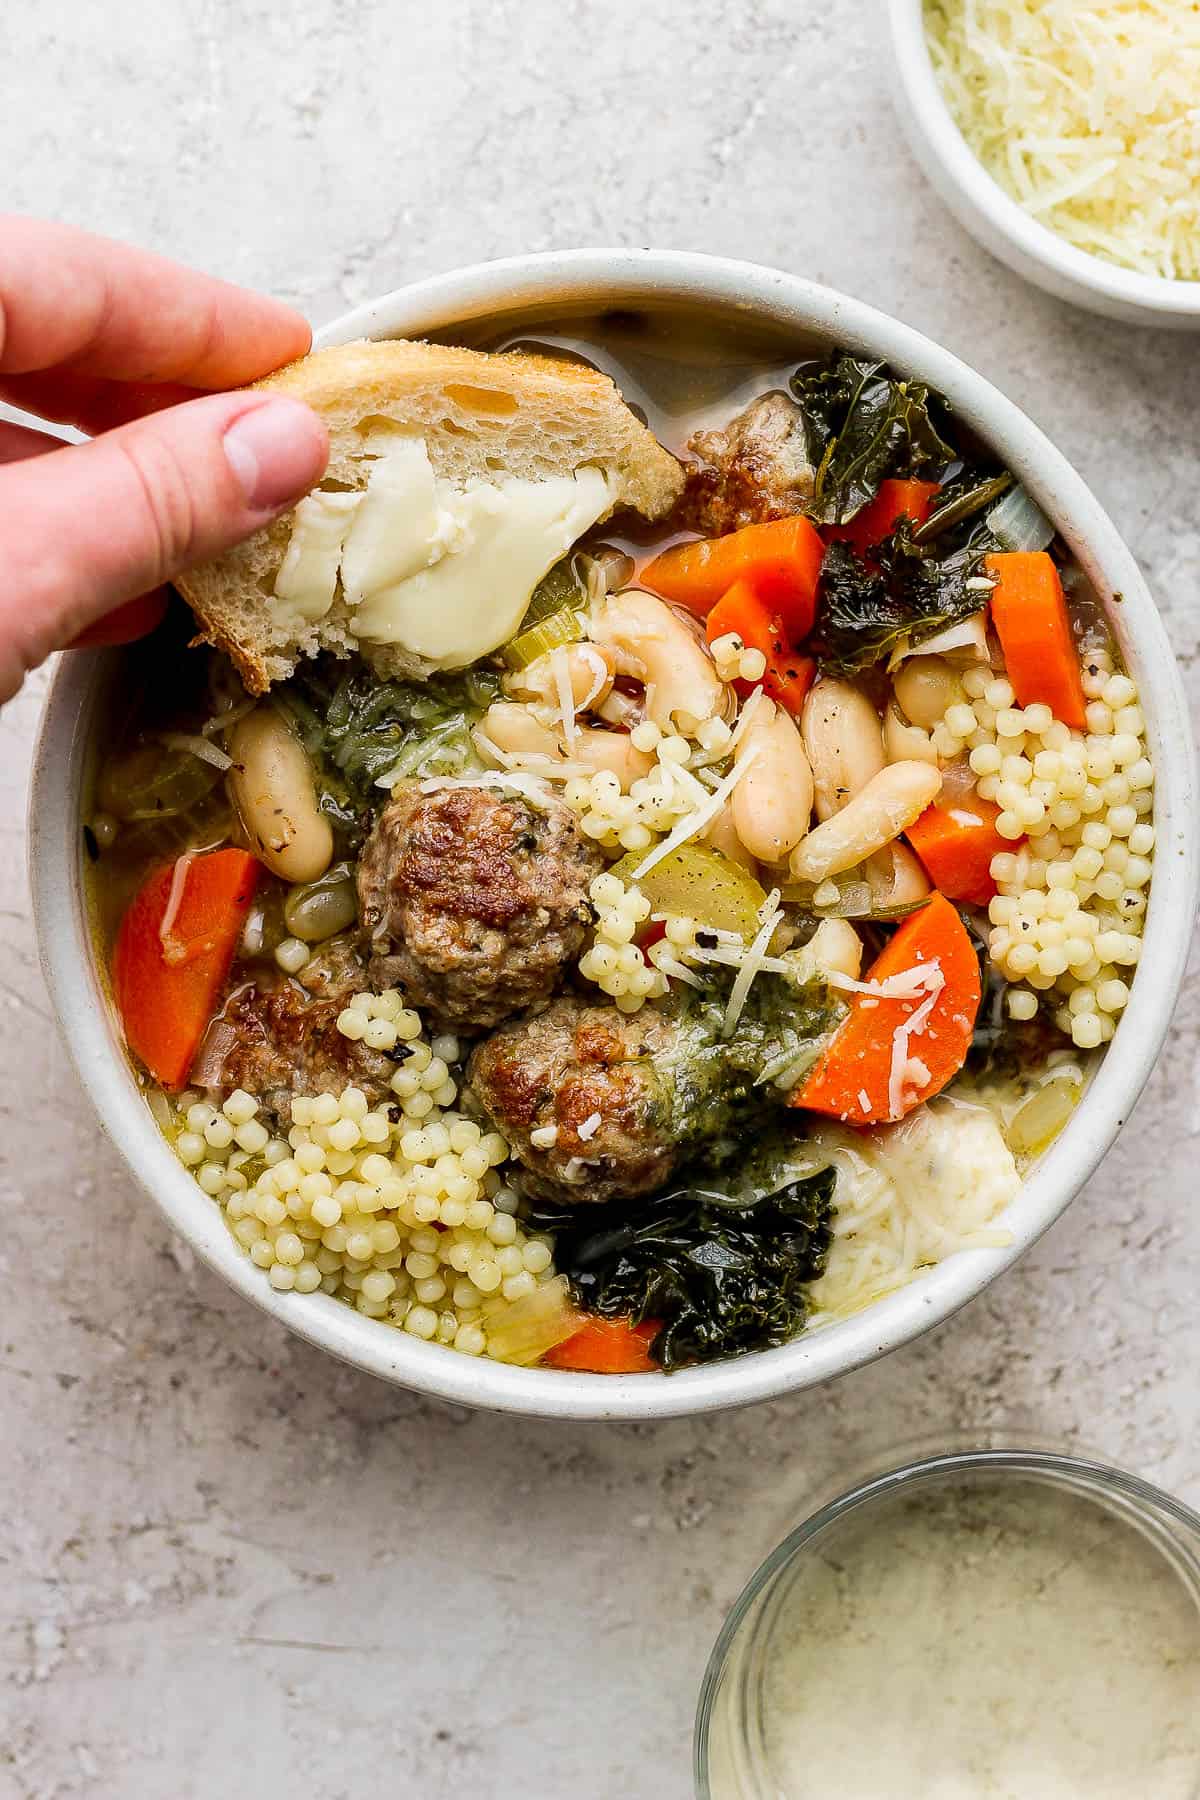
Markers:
point(232, 1568)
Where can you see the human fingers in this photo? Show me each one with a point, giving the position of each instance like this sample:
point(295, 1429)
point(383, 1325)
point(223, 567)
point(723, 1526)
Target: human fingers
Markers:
point(124, 623)
point(90, 526)
point(91, 403)
point(104, 308)
point(20, 441)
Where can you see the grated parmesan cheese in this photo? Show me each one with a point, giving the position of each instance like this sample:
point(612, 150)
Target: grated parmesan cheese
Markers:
point(696, 822)
point(905, 984)
point(530, 762)
point(1087, 112)
point(754, 958)
point(174, 950)
point(530, 787)
point(902, 1072)
point(907, 1196)
point(566, 700)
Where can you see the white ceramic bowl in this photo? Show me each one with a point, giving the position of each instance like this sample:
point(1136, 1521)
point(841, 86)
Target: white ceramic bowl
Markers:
point(525, 288)
point(996, 221)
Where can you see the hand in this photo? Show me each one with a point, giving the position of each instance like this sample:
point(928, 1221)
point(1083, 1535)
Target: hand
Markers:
point(120, 343)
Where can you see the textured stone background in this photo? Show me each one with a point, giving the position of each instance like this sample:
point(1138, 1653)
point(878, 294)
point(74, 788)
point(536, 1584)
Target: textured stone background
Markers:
point(231, 1567)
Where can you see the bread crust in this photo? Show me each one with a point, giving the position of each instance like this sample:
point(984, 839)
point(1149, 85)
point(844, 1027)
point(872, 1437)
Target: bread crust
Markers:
point(481, 413)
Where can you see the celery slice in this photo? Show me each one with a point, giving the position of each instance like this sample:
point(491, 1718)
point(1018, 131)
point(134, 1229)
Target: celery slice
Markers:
point(563, 627)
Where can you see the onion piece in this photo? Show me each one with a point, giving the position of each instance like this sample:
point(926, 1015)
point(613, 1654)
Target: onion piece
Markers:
point(1018, 523)
point(1039, 1119)
point(963, 642)
point(958, 783)
point(855, 899)
point(195, 745)
point(521, 1331)
point(217, 1042)
point(221, 721)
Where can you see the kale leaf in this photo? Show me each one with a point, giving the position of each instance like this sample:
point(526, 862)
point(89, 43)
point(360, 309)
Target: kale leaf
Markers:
point(861, 425)
point(906, 591)
point(722, 1278)
point(357, 728)
point(715, 1086)
point(724, 1257)
point(963, 495)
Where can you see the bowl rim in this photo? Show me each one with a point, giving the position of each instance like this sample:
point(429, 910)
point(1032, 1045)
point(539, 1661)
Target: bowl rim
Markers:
point(932, 125)
point(588, 280)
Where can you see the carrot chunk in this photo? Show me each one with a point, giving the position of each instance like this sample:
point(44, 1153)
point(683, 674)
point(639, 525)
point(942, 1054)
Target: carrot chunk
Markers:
point(607, 1347)
point(173, 953)
point(788, 675)
point(1029, 612)
point(956, 844)
point(781, 561)
point(892, 1052)
point(895, 500)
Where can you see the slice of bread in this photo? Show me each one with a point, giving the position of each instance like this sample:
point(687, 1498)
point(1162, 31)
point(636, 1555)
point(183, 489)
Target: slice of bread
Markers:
point(483, 416)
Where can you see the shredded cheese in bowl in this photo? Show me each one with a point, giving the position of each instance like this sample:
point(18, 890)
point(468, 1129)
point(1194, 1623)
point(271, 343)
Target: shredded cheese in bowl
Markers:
point(1086, 112)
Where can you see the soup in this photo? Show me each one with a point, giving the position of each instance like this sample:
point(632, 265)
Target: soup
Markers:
point(699, 964)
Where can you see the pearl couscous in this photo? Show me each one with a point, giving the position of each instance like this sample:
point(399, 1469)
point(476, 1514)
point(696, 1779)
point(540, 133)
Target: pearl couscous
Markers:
point(671, 935)
point(1067, 916)
point(398, 1209)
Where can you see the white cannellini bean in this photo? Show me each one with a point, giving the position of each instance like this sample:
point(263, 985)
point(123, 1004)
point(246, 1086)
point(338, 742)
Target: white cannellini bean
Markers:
point(888, 803)
point(895, 876)
point(843, 741)
point(652, 643)
point(589, 671)
point(722, 835)
point(903, 742)
point(611, 750)
point(924, 687)
point(517, 729)
point(837, 947)
point(772, 804)
point(271, 784)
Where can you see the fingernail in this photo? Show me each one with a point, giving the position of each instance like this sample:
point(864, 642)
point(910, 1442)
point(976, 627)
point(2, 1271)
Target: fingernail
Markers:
point(276, 452)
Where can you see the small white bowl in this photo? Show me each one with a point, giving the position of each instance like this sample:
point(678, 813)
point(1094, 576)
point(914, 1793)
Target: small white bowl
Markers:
point(997, 222)
point(521, 291)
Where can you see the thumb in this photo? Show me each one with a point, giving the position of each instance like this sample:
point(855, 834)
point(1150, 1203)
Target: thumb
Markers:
point(88, 527)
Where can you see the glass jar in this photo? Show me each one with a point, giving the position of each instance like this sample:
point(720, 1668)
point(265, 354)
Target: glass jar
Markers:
point(986, 1622)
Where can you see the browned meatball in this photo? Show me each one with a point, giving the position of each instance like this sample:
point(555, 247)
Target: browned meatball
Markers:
point(474, 901)
point(287, 1041)
point(754, 469)
point(591, 1072)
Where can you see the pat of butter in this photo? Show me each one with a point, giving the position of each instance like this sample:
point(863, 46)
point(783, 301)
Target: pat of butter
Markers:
point(489, 550)
point(308, 573)
point(398, 528)
point(444, 572)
